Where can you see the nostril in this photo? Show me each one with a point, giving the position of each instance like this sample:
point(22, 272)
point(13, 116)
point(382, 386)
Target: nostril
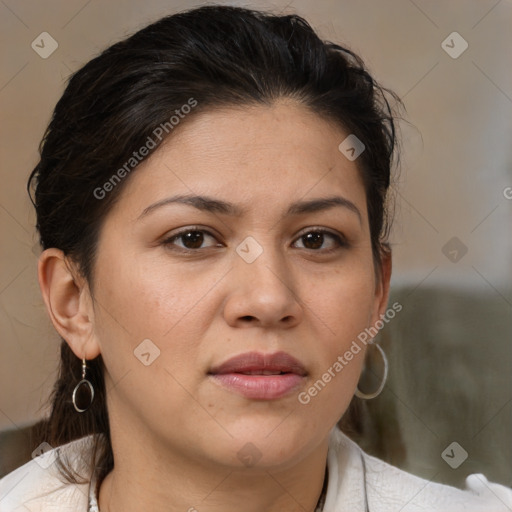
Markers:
point(247, 317)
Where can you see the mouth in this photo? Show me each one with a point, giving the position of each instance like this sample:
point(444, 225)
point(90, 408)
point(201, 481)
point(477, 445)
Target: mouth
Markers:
point(260, 376)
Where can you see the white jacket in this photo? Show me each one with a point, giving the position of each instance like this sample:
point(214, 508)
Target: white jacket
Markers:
point(354, 478)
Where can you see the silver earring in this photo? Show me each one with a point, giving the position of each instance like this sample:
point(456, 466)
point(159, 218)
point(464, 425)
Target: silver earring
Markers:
point(85, 382)
point(369, 396)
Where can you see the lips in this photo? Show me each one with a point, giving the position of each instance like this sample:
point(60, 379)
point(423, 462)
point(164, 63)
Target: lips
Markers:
point(260, 376)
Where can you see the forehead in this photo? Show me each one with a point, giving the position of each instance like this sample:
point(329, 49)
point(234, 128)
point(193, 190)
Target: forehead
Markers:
point(258, 156)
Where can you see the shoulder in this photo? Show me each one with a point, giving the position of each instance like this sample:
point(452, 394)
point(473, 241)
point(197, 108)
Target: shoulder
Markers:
point(388, 488)
point(38, 484)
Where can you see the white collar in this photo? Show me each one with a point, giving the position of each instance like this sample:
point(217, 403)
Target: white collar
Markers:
point(345, 462)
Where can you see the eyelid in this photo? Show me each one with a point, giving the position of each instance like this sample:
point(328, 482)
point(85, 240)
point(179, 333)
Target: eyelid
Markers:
point(186, 229)
point(320, 229)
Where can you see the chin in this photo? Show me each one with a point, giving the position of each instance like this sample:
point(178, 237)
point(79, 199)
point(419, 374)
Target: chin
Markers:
point(269, 443)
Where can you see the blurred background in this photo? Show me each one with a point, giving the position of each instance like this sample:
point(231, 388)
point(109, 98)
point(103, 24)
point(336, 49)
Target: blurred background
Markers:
point(446, 410)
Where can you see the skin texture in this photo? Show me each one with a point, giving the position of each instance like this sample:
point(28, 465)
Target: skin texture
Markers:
point(176, 434)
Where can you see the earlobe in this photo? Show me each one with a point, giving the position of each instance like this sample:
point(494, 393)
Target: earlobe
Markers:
point(68, 302)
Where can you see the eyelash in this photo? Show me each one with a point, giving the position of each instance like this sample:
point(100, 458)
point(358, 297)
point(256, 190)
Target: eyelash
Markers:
point(167, 242)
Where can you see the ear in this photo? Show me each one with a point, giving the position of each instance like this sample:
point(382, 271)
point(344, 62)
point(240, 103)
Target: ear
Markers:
point(382, 283)
point(68, 302)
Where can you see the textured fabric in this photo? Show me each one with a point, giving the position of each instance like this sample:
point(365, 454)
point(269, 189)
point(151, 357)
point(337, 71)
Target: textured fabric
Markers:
point(357, 483)
point(354, 479)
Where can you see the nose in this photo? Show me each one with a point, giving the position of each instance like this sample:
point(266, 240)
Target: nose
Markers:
point(263, 293)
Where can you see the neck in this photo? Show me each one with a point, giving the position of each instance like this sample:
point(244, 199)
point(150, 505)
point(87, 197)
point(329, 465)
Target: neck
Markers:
point(146, 478)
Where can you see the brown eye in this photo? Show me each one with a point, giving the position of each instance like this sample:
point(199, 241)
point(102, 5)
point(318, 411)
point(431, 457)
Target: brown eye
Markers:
point(314, 240)
point(191, 239)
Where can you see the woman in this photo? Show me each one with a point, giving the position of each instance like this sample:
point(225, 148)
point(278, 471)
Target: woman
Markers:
point(212, 203)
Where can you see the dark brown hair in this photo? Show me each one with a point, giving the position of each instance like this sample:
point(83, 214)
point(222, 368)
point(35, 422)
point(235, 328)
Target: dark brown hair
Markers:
point(217, 56)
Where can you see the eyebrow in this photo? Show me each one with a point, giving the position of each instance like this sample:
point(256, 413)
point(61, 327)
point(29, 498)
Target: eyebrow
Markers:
point(209, 204)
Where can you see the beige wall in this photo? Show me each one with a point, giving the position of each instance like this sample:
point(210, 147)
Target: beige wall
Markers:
point(456, 163)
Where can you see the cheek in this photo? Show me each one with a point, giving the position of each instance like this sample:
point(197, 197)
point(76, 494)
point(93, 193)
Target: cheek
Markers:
point(344, 300)
point(139, 300)
point(341, 307)
point(136, 294)
point(136, 304)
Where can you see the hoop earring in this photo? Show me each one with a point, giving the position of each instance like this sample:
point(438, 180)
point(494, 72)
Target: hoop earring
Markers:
point(88, 384)
point(369, 396)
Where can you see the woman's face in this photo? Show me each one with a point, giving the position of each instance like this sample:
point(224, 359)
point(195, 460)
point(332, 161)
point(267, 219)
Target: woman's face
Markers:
point(182, 287)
